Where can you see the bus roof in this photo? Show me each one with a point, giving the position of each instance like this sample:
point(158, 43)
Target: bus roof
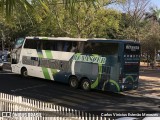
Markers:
point(112, 41)
point(57, 38)
point(82, 39)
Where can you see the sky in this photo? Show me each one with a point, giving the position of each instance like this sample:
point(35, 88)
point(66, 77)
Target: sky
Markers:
point(152, 4)
point(155, 3)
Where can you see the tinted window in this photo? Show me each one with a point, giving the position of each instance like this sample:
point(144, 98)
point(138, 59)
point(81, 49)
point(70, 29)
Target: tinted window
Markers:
point(67, 46)
point(49, 45)
point(101, 48)
point(29, 43)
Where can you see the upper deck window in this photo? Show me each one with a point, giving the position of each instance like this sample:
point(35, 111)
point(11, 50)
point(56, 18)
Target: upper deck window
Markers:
point(31, 44)
point(67, 46)
point(101, 48)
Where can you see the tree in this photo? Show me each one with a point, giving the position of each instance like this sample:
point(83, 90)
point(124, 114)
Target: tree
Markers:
point(10, 5)
point(153, 15)
point(5, 34)
point(151, 41)
point(7, 7)
point(86, 21)
point(132, 19)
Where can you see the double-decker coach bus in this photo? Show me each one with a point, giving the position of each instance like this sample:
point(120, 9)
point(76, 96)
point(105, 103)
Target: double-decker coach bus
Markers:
point(108, 65)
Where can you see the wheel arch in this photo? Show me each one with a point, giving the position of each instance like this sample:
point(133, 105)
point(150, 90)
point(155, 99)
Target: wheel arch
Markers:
point(23, 68)
point(84, 77)
point(72, 76)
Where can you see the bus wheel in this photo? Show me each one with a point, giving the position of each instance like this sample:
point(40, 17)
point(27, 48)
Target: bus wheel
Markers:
point(1, 68)
point(85, 84)
point(73, 82)
point(24, 72)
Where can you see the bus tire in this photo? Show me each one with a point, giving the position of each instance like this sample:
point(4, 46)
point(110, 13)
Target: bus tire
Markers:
point(86, 85)
point(73, 82)
point(24, 72)
point(1, 68)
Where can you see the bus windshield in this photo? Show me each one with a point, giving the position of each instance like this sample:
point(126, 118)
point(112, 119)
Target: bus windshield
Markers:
point(18, 43)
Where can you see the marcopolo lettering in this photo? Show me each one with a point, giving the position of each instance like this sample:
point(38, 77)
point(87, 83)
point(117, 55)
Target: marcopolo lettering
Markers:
point(87, 58)
point(132, 48)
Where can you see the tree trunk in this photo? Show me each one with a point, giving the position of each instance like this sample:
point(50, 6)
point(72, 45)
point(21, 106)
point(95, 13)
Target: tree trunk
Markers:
point(147, 60)
point(155, 55)
point(3, 40)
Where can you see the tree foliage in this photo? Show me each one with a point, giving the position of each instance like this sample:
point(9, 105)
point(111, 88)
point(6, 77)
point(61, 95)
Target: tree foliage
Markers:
point(89, 19)
point(150, 34)
point(75, 18)
point(86, 21)
point(132, 18)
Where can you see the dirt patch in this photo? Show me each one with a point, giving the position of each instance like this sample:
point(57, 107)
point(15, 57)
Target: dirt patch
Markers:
point(146, 78)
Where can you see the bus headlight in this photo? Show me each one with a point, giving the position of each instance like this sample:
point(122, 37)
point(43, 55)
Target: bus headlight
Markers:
point(122, 87)
point(124, 79)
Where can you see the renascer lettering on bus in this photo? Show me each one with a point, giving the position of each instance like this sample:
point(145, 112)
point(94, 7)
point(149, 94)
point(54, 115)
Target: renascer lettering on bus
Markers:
point(87, 58)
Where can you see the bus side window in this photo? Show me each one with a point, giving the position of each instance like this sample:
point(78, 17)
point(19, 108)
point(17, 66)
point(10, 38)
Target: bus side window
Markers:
point(88, 48)
point(47, 45)
point(105, 48)
point(38, 45)
point(59, 45)
point(44, 45)
point(74, 47)
point(29, 43)
point(54, 45)
point(67, 46)
point(80, 47)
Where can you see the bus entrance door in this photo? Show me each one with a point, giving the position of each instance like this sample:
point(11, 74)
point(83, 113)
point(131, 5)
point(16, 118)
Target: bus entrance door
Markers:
point(105, 77)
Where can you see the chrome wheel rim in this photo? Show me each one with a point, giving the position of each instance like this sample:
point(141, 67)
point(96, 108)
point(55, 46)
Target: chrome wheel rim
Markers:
point(73, 82)
point(85, 85)
point(25, 73)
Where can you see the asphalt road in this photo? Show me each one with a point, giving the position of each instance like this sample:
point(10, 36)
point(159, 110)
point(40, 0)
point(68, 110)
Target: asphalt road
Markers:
point(63, 95)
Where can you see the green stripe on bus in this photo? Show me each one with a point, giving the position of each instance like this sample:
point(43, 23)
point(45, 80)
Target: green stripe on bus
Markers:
point(49, 54)
point(130, 77)
point(45, 72)
point(113, 82)
point(54, 71)
point(45, 38)
point(100, 70)
point(40, 55)
point(95, 84)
